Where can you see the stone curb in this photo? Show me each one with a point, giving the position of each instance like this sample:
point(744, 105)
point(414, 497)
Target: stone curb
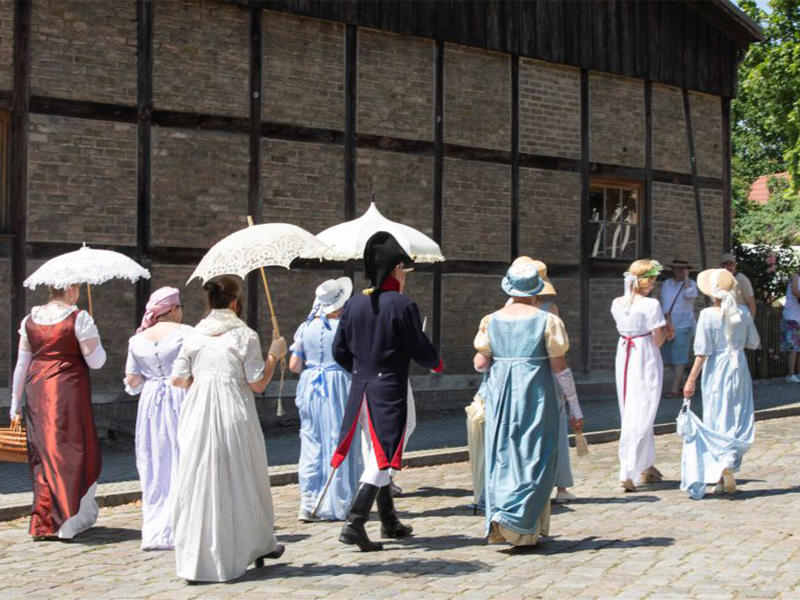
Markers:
point(423, 458)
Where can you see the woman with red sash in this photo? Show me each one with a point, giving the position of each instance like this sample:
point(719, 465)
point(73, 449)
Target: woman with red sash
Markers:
point(639, 372)
point(58, 345)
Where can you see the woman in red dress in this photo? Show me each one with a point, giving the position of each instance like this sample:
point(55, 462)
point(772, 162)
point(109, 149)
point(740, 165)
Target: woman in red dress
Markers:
point(58, 344)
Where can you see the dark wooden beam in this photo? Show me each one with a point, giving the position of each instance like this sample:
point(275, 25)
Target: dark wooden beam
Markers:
point(584, 216)
point(254, 172)
point(6, 100)
point(390, 144)
point(83, 109)
point(438, 188)
point(647, 201)
point(727, 206)
point(502, 157)
point(350, 128)
point(514, 156)
point(144, 110)
point(701, 236)
point(18, 184)
point(184, 120)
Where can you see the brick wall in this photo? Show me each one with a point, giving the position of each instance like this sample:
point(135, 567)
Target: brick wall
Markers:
point(6, 44)
point(81, 181)
point(303, 77)
point(403, 186)
point(670, 145)
point(477, 98)
point(549, 109)
point(675, 224)
point(199, 186)
point(201, 57)
point(707, 124)
point(302, 184)
point(84, 50)
point(395, 85)
point(549, 215)
point(568, 301)
point(477, 210)
point(616, 120)
point(466, 299)
point(114, 315)
point(603, 336)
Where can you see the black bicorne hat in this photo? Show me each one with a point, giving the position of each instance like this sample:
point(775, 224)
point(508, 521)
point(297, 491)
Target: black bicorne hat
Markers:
point(382, 254)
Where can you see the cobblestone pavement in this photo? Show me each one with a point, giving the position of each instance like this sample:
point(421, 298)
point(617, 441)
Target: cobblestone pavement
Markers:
point(432, 432)
point(653, 544)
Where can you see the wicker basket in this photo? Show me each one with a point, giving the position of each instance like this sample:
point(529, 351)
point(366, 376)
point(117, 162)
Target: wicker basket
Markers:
point(13, 444)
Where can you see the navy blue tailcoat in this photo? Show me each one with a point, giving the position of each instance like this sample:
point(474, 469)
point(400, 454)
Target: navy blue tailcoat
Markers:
point(377, 338)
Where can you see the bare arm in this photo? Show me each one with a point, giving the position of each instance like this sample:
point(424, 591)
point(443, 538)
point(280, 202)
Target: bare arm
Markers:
point(133, 381)
point(751, 305)
point(689, 388)
point(558, 364)
point(296, 364)
point(482, 363)
point(269, 370)
point(660, 336)
point(180, 382)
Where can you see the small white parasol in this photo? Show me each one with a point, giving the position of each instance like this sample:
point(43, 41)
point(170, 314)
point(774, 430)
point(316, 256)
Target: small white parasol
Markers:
point(347, 240)
point(86, 265)
point(256, 247)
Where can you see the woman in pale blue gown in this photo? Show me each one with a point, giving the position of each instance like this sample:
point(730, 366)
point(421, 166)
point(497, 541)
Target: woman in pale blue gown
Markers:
point(522, 347)
point(713, 448)
point(321, 398)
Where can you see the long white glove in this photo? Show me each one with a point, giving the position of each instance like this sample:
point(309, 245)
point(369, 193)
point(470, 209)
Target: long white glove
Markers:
point(24, 360)
point(567, 383)
point(97, 358)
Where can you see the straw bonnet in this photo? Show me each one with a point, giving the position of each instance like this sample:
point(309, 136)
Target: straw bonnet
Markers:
point(333, 293)
point(548, 289)
point(725, 281)
point(522, 281)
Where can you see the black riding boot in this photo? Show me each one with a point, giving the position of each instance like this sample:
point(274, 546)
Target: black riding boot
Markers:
point(353, 532)
point(391, 527)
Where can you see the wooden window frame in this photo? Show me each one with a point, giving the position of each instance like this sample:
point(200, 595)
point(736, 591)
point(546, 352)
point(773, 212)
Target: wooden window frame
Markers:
point(642, 229)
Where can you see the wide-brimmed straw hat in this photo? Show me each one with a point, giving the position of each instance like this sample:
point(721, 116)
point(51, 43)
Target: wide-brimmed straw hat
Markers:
point(522, 281)
point(333, 293)
point(548, 289)
point(724, 281)
point(680, 264)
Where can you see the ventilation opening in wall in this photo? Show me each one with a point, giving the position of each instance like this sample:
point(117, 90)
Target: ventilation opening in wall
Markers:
point(5, 126)
point(615, 208)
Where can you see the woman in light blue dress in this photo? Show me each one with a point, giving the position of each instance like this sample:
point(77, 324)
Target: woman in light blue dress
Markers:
point(151, 353)
point(522, 347)
point(713, 448)
point(321, 398)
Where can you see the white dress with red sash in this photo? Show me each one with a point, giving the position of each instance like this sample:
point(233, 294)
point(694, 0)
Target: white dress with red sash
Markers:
point(640, 375)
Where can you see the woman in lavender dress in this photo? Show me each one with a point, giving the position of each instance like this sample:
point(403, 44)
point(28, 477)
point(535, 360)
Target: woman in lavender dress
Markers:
point(151, 353)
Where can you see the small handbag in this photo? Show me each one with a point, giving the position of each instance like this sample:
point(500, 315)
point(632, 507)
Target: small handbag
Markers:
point(13, 444)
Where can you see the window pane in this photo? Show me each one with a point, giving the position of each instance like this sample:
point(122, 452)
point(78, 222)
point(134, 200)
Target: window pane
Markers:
point(613, 221)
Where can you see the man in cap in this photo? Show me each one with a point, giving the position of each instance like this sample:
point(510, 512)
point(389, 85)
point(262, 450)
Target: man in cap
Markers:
point(744, 289)
point(379, 333)
point(678, 294)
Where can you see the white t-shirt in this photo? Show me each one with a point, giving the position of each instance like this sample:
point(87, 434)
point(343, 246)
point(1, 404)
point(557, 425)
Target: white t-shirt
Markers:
point(683, 310)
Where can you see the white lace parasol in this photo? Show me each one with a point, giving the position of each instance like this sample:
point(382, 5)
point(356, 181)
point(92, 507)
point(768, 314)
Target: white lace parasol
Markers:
point(347, 240)
point(266, 245)
point(86, 265)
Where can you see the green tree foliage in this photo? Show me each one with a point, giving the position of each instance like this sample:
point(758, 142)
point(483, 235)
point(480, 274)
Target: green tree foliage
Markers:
point(765, 120)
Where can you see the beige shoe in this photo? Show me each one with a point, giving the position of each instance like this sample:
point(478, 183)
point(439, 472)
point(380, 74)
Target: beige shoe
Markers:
point(652, 475)
point(628, 485)
point(728, 481)
point(719, 489)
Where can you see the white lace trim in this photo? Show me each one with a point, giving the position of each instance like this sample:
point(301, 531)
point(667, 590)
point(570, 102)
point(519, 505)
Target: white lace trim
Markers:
point(85, 328)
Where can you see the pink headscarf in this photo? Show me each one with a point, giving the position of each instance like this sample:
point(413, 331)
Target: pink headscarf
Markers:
point(161, 302)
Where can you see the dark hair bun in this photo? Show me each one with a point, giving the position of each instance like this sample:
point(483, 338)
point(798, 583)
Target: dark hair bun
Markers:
point(222, 291)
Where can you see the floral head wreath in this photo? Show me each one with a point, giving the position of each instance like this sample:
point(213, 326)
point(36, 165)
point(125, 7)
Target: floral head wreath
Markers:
point(632, 281)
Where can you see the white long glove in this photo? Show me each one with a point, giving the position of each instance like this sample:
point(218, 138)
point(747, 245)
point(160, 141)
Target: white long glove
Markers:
point(97, 358)
point(24, 360)
point(567, 383)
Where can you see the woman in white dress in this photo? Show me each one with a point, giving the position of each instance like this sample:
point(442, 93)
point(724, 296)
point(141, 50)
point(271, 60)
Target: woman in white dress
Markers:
point(223, 517)
point(639, 372)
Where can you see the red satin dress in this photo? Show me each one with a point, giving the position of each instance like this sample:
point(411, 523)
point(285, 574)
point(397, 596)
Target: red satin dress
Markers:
point(63, 450)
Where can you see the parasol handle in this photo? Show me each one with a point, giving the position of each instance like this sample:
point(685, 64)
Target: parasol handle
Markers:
point(89, 297)
point(318, 505)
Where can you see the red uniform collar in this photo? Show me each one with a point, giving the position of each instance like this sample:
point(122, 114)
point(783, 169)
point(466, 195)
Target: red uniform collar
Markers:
point(390, 284)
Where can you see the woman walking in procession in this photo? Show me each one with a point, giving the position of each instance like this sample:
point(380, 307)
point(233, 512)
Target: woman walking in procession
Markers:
point(151, 353)
point(639, 372)
point(57, 347)
point(522, 347)
point(713, 449)
point(321, 399)
point(223, 515)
